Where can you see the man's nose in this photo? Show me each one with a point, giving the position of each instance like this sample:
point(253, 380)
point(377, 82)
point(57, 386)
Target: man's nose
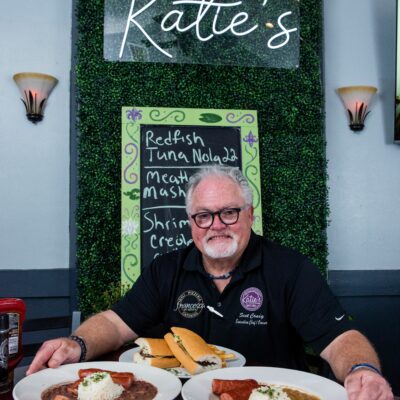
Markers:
point(217, 223)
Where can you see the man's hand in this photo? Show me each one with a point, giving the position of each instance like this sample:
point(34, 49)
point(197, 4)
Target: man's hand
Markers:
point(103, 332)
point(349, 349)
point(53, 353)
point(364, 384)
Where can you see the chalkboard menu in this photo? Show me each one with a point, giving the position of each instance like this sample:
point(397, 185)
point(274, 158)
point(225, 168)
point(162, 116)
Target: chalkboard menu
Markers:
point(161, 148)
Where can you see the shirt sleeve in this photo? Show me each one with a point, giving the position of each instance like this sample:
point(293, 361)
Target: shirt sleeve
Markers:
point(314, 311)
point(141, 307)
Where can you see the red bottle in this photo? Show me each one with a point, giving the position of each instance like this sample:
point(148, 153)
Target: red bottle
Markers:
point(15, 308)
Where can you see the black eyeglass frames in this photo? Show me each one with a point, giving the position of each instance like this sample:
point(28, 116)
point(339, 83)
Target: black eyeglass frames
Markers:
point(227, 216)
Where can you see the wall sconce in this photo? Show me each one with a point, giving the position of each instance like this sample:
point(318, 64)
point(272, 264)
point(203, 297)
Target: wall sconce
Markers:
point(356, 100)
point(35, 89)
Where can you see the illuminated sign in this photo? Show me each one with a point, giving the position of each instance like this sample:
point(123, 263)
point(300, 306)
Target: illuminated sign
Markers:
point(261, 33)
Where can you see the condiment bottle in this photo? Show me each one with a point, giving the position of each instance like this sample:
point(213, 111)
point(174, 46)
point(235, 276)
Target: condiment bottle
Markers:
point(15, 308)
point(5, 381)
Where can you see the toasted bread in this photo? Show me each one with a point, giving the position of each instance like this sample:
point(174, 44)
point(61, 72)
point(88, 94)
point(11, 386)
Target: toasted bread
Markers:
point(192, 351)
point(155, 352)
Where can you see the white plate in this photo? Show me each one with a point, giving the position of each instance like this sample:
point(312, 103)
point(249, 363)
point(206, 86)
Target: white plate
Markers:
point(199, 387)
point(31, 387)
point(181, 372)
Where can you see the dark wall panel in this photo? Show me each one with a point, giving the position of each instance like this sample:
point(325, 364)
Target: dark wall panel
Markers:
point(373, 299)
point(48, 298)
point(30, 283)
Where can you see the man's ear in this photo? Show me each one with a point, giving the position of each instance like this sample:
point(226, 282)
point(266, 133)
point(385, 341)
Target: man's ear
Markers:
point(251, 213)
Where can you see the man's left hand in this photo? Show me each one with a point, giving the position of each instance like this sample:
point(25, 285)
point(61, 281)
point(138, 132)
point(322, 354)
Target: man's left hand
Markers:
point(367, 385)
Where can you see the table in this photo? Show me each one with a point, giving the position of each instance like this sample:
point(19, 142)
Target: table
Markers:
point(19, 372)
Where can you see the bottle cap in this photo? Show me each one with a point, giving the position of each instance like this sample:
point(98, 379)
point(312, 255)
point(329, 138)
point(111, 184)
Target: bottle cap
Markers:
point(4, 322)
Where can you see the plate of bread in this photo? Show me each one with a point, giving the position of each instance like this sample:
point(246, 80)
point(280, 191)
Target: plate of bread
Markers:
point(183, 353)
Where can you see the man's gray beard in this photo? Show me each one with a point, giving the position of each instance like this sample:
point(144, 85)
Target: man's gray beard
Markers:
point(216, 252)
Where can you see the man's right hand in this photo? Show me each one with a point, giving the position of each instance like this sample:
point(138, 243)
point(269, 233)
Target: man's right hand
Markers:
point(53, 353)
point(103, 333)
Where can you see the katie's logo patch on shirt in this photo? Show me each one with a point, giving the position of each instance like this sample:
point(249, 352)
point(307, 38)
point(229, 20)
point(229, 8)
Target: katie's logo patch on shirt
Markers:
point(251, 299)
point(189, 304)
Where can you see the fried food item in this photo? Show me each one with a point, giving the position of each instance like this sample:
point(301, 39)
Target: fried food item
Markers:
point(220, 386)
point(222, 354)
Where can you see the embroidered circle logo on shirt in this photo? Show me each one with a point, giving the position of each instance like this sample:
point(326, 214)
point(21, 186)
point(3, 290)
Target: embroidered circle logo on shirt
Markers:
point(190, 304)
point(251, 299)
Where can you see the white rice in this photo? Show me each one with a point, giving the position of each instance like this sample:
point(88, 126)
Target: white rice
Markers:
point(99, 386)
point(268, 392)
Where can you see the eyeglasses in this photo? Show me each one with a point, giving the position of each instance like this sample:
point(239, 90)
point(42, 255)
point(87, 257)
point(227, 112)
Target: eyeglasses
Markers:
point(227, 216)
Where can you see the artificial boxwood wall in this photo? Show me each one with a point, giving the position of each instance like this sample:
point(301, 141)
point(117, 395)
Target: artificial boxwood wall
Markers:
point(291, 128)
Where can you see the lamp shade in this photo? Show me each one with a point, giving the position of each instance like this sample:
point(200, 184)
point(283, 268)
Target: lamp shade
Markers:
point(356, 100)
point(35, 89)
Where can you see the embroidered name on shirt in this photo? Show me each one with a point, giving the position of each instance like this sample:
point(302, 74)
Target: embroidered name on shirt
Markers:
point(251, 319)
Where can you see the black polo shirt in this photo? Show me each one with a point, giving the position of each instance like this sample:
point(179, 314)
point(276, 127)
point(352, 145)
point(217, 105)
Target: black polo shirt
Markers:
point(275, 302)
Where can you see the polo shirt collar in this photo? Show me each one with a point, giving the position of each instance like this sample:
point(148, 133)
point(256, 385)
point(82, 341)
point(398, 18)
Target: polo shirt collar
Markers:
point(251, 258)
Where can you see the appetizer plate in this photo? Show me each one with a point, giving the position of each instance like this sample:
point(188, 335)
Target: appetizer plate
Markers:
point(31, 387)
point(237, 361)
point(199, 387)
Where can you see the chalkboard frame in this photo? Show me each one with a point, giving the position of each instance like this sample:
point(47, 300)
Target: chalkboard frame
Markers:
point(133, 118)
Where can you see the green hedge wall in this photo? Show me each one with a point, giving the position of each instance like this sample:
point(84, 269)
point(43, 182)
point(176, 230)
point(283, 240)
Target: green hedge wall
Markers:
point(291, 126)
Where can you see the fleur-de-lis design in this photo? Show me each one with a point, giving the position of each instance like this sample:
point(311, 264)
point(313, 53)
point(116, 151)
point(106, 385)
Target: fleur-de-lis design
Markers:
point(134, 114)
point(250, 139)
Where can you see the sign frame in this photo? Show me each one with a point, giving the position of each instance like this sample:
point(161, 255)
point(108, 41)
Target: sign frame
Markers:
point(252, 33)
point(133, 119)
